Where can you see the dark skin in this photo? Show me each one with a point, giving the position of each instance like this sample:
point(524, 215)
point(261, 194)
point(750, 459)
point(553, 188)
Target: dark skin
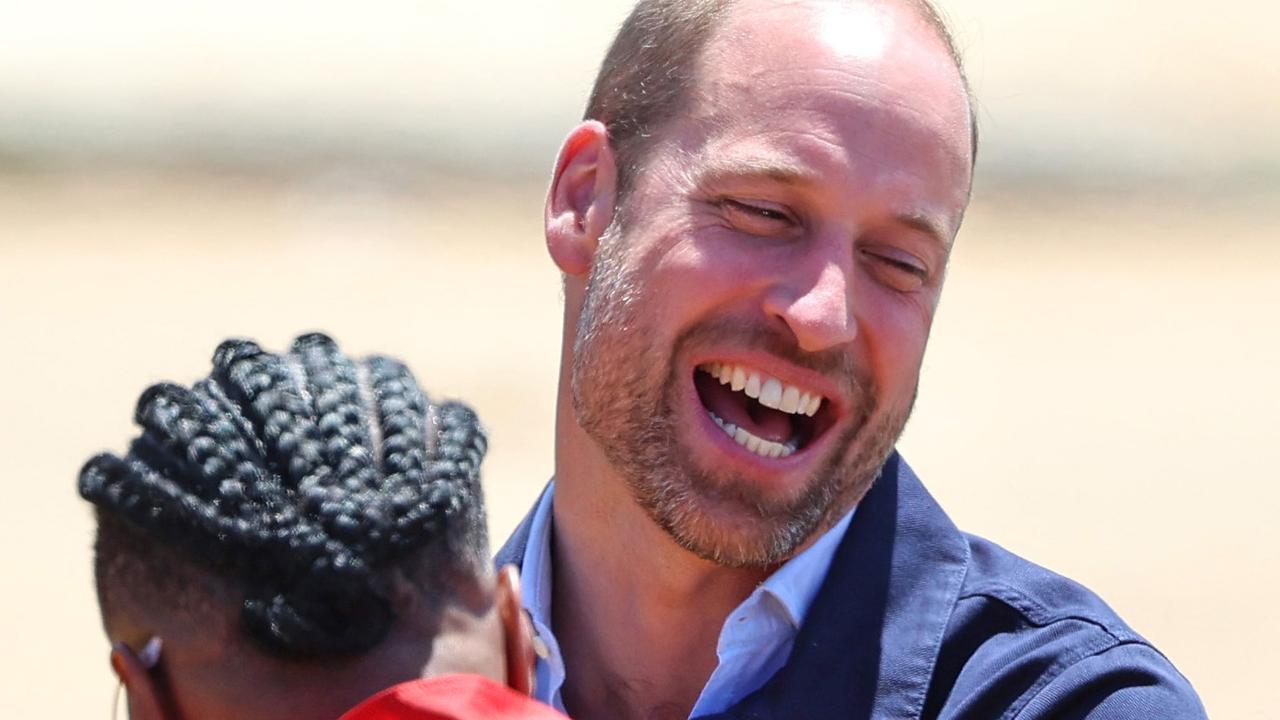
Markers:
point(210, 670)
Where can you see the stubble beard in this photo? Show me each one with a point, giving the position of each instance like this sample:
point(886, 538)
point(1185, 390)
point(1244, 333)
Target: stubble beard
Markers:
point(624, 393)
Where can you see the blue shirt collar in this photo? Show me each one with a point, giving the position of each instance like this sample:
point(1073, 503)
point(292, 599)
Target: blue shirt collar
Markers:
point(793, 586)
point(796, 582)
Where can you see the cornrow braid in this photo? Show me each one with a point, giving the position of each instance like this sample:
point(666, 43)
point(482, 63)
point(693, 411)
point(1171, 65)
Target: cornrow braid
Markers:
point(304, 477)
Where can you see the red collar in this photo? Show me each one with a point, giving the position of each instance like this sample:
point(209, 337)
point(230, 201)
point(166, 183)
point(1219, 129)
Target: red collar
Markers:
point(451, 697)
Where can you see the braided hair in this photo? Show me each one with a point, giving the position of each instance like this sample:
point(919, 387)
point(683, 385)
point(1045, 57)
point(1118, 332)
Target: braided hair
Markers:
point(303, 478)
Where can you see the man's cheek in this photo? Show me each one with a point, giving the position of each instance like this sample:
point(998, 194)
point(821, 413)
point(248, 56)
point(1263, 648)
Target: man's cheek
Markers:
point(894, 355)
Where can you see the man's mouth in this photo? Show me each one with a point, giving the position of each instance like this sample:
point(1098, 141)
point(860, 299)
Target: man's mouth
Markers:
point(766, 416)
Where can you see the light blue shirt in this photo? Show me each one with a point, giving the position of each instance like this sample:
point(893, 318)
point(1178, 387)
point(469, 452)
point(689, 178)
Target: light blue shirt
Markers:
point(754, 642)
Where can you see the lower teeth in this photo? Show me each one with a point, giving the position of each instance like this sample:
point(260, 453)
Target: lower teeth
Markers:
point(757, 445)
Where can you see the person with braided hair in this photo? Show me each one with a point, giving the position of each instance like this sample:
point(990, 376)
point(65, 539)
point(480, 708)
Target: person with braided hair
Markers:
point(304, 536)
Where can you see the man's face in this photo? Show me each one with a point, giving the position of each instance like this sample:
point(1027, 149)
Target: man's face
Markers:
point(751, 337)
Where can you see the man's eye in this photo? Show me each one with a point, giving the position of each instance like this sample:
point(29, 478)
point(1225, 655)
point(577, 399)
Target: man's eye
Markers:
point(897, 273)
point(755, 218)
point(764, 212)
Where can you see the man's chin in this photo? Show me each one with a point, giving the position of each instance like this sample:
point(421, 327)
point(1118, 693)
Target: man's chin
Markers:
point(743, 521)
point(738, 543)
point(734, 523)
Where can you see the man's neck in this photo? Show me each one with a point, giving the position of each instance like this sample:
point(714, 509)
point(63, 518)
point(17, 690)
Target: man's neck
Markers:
point(637, 617)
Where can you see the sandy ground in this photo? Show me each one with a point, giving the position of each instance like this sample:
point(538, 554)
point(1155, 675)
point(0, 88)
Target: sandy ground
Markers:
point(1099, 395)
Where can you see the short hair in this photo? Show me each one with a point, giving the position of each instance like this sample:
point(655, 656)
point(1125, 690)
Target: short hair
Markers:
point(647, 75)
point(304, 480)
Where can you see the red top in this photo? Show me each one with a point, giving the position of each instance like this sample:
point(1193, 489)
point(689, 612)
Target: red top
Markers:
point(451, 697)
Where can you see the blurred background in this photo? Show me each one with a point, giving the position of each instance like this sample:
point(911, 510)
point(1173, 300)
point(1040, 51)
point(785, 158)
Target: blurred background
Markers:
point(1099, 396)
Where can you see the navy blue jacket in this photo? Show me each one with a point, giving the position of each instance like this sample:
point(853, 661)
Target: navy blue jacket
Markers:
point(919, 620)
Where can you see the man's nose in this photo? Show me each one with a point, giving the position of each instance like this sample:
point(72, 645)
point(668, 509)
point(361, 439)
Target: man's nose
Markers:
point(815, 301)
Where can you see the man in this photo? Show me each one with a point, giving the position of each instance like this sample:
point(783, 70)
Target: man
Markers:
point(300, 532)
point(753, 224)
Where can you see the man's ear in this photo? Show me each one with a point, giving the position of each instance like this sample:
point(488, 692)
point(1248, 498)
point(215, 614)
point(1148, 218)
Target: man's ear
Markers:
point(517, 632)
point(139, 684)
point(580, 202)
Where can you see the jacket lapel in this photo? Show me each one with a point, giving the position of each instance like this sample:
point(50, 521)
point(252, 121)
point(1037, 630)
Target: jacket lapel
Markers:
point(868, 645)
point(870, 640)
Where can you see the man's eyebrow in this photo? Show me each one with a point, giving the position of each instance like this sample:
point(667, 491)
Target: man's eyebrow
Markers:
point(778, 170)
point(922, 223)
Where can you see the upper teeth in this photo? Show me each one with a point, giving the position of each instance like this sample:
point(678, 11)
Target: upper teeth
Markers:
point(769, 391)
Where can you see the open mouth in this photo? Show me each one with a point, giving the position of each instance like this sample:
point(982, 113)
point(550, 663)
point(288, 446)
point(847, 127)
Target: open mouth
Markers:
point(760, 412)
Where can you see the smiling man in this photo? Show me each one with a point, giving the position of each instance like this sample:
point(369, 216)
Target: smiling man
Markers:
point(753, 224)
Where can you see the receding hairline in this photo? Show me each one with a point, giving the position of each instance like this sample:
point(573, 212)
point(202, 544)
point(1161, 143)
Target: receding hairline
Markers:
point(924, 9)
point(636, 103)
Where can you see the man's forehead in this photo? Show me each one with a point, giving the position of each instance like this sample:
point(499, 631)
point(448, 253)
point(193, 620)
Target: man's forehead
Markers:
point(868, 46)
point(857, 28)
point(834, 82)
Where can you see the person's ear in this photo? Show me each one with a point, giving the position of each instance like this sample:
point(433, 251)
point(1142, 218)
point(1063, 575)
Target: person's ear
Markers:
point(580, 202)
point(139, 684)
point(517, 632)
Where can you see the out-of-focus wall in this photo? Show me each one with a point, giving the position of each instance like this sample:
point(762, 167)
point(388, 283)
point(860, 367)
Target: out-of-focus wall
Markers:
point(1088, 92)
point(1098, 392)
